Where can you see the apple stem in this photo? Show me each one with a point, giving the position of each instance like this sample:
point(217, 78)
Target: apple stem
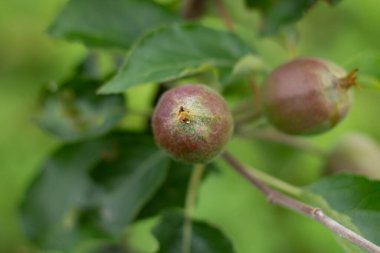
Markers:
point(192, 190)
point(192, 9)
point(314, 213)
point(224, 15)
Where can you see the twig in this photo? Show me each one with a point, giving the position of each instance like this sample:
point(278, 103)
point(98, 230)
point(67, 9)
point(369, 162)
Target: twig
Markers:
point(195, 179)
point(192, 9)
point(274, 136)
point(275, 182)
point(224, 15)
point(314, 213)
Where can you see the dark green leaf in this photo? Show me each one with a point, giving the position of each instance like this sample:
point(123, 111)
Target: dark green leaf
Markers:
point(278, 13)
point(116, 23)
point(173, 191)
point(92, 188)
point(177, 51)
point(204, 237)
point(75, 112)
point(356, 197)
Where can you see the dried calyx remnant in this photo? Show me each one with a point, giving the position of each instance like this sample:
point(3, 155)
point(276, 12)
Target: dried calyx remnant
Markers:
point(307, 96)
point(192, 123)
point(184, 115)
point(349, 80)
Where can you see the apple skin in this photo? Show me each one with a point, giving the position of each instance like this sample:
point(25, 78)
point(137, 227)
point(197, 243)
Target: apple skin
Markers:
point(192, 123)
point(307, 96)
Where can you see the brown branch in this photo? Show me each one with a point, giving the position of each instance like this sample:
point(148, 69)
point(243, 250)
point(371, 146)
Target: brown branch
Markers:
point(192, 9)
point(192, 191)
point(224, 15)
point(314, 213)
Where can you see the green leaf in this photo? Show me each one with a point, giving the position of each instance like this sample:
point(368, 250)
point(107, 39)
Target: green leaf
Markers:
point(172, 192)
point(204, 237)
point(92, 188)
point(275, 14)
point(356, 197)
point(75, 112)
point(116, 23)
point(177, 51)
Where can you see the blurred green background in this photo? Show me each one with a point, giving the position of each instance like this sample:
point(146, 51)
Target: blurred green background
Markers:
point(29, 58)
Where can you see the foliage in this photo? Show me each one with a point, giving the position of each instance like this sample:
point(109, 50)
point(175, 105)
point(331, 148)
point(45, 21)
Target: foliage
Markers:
point(73, 111)
point(105, 177)
point(277, 14)
point(159, 56)
point(354, 197)
point(205, 238)
point(115, 23)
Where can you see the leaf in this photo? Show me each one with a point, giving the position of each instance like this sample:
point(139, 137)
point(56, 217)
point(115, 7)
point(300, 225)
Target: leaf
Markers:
point(75, 112)
point(172, 192)
point(93, 188)
point(204, 237)
point(356, 197)
point(177, 51)
point(276, 14)
point(116, 23)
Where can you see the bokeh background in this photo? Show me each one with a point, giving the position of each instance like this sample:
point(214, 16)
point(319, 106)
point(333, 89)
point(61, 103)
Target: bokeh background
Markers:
point(29, 58)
